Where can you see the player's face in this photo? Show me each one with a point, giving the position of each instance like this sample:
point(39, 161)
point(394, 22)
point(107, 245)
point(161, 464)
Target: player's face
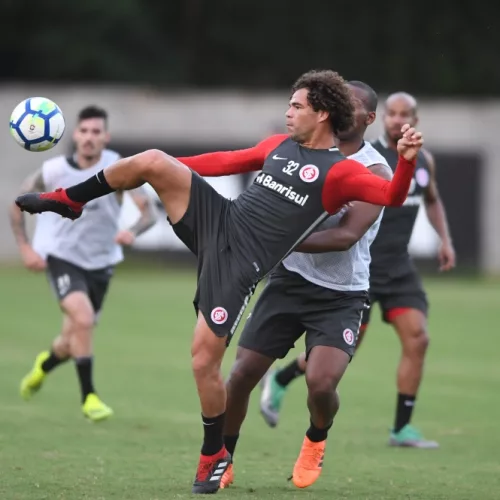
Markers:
point(362, 117)
point(398, 112)
point(301, 119)
point(91, 137)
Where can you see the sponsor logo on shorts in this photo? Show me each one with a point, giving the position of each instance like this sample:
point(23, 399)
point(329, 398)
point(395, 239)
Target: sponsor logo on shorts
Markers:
point(309, 173)
point(218, 315)
point(348, 336)
point(288, 192)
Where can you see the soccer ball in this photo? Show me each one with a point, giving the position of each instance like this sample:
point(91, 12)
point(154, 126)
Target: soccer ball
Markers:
point(37, 124)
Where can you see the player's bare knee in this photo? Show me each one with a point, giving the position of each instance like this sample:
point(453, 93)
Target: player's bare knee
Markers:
point(79, 311)
point(321, 383)
point(245, 374)
point(418, 339)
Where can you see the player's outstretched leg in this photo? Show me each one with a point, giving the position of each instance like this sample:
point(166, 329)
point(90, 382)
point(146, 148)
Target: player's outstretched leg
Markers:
point(274, 385)
point(207, 352)
point(247, 371)
point(325, 367)
point(170, 178)
point(411, 329)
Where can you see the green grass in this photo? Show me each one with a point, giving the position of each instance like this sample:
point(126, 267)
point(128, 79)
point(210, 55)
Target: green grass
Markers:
point(150, 449)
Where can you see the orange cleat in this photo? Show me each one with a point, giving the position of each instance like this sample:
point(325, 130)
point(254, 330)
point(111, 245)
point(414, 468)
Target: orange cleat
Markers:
point(227, 478)
point(308, 466)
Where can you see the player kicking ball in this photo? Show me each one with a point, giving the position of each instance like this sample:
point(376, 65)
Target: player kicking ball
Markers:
point(303, 179)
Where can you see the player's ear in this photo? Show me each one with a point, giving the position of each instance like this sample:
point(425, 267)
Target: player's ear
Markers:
point(108, 137)
point(323, 116)
point(370, 118)
point(415, 120)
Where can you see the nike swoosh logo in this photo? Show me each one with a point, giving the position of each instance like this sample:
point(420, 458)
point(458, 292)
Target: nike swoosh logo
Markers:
point(276, 157)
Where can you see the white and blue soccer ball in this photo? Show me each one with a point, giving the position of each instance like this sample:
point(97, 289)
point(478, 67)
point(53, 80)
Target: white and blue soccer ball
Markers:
point(37, 124)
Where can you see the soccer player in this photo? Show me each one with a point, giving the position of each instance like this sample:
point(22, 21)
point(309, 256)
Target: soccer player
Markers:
point(78, 256)
point(304, 178)
point(321, 288)
point(394, 281)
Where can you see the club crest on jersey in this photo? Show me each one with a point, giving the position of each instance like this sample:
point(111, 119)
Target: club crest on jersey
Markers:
point(309, 173)
point(348, 336)
point(218, 315)
point(422, 177)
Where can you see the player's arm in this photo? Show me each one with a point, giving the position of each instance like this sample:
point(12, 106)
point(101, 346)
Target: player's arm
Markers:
point(436, 214)
point(30, 258)
point(352, 227)
point(233, 162)
point(350, 181)
point(33, 182)
point(146, 220)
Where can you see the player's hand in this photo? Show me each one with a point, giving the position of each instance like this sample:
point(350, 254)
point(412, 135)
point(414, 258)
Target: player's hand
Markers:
point(447, 257)
point(125, 237)
point(410, 144)
point(32, 260)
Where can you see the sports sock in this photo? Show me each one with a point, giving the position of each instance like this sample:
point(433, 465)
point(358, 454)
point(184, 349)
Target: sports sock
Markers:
point(317, 435)
point(84, 370)
point(230, 443)
point(404, 410)
point(92, 188)
point(289, 373)
point(213, 440)
point(51, 362)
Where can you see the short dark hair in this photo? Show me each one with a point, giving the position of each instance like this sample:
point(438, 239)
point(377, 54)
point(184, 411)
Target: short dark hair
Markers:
point(92, 112)
point(328, 92)
point(371, 101)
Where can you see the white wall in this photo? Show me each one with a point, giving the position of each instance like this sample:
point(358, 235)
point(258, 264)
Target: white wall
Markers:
point(239, 117)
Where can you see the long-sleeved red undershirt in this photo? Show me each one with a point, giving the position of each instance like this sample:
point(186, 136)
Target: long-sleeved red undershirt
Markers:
point(349, 180)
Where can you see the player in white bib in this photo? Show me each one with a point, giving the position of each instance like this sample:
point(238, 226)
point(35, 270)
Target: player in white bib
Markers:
point(78, 256)
point(322, 289)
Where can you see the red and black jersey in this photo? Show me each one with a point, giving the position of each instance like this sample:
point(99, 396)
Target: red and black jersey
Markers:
point(296, 190)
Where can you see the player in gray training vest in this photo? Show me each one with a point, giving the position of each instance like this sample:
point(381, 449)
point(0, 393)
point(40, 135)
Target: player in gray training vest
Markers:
point(78, 256)
point(321, 288)
point(394, 282)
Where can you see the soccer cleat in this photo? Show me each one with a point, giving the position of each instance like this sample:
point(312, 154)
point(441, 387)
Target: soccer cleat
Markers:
point(56, 201)
point(409, 437)
point(308, 466)
point(94, 409)
point(210, 472)
point(227, 478)
point(271, 398)
point(33, 381)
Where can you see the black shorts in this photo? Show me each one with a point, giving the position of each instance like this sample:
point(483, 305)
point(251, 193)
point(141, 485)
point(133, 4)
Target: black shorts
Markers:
point(66, 278)
point(402, 292)
point(289, 305)
point(226, 279)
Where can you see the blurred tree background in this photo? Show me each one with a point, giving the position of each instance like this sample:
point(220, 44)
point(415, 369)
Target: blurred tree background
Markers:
point(446, 48)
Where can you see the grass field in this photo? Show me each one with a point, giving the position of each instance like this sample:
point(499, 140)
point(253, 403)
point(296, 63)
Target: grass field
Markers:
point(150, 449)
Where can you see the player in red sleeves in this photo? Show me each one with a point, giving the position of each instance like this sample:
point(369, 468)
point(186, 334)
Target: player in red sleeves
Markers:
point(304, 178)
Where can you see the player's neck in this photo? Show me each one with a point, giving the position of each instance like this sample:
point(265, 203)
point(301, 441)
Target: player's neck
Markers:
point(85, 162)
point(320, 140)
point(348, 148)
point(391, 144)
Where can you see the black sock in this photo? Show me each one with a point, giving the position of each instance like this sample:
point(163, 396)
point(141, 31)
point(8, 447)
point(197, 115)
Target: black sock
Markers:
point(92, 188)
point(404, 410)
point(84, 370)
point(51, 362)
point(316, 435)
point(213, 440)
point(289, 373)
point(230, 443)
